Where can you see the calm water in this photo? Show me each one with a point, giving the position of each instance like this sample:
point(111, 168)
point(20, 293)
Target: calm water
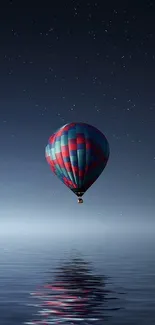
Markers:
point(127, 261)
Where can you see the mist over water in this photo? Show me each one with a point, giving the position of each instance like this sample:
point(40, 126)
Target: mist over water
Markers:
point(73, 224)
point(125, 256)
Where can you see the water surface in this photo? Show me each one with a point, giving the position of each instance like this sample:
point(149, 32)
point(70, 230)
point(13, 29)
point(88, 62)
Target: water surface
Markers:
point(127, 261)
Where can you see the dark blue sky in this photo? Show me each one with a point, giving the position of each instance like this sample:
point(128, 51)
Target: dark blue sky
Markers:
point(88, 61)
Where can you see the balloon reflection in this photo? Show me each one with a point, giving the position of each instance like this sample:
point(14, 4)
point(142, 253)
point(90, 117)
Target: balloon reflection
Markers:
point(74, 296)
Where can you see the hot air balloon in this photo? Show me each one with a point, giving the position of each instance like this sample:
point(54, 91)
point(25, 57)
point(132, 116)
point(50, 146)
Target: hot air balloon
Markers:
point(77, 153)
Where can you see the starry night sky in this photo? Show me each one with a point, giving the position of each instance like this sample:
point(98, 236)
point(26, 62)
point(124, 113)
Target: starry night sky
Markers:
point(70, 61)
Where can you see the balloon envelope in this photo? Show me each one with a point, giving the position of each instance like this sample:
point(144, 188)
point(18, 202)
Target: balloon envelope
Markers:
point(77, 153)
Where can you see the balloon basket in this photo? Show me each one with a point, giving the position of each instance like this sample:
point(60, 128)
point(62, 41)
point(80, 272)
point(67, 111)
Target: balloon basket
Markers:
point(80, 200)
